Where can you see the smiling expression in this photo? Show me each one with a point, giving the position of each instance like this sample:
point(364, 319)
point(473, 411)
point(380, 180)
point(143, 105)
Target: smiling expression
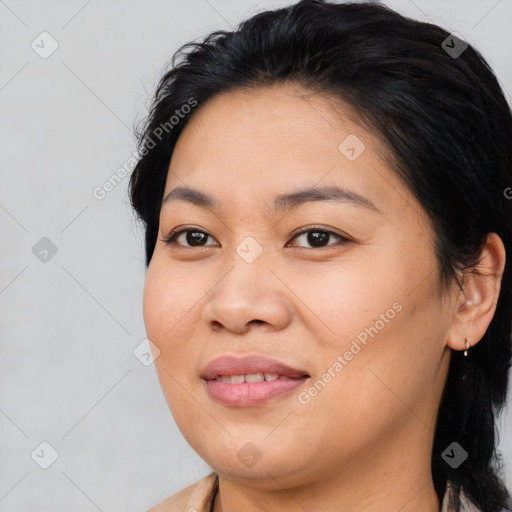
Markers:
point(287, 236)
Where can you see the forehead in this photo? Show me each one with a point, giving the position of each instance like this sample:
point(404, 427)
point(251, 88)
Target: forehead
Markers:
point(275, 139)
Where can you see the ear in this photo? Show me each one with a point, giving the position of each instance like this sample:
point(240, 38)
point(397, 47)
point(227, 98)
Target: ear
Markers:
point(476, 303)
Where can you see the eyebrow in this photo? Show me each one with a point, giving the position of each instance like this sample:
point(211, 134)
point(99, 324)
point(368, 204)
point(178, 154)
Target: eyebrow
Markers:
point(282, 202)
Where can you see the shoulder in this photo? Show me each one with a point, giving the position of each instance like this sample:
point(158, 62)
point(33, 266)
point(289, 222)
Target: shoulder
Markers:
point(194, 498)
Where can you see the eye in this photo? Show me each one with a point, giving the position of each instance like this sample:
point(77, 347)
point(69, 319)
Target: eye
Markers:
point(318, 237)
point(194, 237)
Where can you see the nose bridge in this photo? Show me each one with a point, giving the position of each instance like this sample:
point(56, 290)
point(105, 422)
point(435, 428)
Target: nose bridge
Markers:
point(248, 272)
point(247, 291)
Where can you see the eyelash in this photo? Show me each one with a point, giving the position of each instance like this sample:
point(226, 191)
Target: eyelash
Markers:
point(171, 239)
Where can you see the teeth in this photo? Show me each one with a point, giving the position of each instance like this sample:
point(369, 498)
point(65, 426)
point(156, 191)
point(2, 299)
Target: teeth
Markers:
point(223, 378)
point(254, 377)
point(250, 377)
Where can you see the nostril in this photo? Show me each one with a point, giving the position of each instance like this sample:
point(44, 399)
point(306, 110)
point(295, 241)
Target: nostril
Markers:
point(216, 325)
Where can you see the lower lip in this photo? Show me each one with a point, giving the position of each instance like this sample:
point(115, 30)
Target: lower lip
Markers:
point(251, 393)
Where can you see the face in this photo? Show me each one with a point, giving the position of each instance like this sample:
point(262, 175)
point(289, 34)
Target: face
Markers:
point(343, 287)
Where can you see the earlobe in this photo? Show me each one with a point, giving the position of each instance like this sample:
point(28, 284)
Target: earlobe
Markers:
point(466, 346)
point(476, 302)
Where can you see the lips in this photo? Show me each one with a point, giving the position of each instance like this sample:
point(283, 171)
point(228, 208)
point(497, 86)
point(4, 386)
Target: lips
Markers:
point(256, 368)
point(251, 380)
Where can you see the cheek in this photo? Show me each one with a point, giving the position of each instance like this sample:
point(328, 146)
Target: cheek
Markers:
point(168, 303)
point(339, 300)
point(169, 316)
point(387, 369)
point(368, 316)
point(158, 308)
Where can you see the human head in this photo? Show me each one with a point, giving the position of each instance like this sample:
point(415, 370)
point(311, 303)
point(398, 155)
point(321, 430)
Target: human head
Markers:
point(445, 129)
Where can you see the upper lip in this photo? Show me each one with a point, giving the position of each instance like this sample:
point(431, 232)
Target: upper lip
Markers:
point(232, 365)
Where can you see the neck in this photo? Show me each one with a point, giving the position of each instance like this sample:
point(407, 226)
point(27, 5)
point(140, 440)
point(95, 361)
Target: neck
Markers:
point(374, 482)
point(420, 497)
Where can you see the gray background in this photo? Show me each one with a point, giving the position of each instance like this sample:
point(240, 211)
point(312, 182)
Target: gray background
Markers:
point(69, 325)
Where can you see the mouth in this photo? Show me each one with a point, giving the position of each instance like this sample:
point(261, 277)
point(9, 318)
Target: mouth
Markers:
point(250, 380)
point(254, 377)
point(256, 368)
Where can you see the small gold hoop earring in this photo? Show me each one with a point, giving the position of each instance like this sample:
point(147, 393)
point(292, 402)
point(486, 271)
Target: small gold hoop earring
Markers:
point(466, 341)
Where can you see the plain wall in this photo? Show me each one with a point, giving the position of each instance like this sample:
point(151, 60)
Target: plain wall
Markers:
point(69, 325)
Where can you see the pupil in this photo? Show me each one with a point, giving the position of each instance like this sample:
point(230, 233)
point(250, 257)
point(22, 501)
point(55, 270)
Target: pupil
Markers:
point(194, 236)
point(315, 238)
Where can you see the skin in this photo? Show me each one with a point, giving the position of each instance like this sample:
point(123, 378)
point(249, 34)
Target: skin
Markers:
point(364, 441)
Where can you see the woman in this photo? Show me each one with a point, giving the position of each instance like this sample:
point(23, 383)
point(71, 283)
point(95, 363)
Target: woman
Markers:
point(324, 194)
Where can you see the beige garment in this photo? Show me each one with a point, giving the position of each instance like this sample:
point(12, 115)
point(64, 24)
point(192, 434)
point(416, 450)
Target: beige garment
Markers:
point(199, 497)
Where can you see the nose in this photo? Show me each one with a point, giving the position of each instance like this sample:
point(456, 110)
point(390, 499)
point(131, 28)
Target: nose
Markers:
point(248, 295)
